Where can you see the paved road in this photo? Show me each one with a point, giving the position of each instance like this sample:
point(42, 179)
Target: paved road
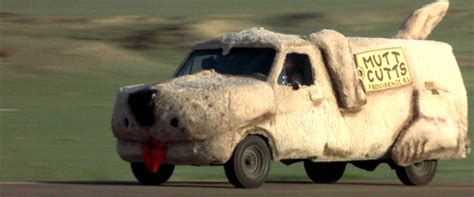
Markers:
point(204, 189)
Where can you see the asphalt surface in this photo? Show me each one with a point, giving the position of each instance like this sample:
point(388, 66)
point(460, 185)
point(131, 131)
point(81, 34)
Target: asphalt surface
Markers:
point(204, 189)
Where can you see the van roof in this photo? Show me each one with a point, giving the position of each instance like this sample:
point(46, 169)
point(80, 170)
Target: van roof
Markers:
point(254, 37)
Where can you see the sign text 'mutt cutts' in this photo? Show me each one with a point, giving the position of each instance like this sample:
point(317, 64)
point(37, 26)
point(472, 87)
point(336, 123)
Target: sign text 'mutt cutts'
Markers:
point(383, 69)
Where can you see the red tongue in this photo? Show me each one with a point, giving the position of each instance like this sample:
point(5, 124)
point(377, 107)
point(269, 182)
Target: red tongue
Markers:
point(154, 153)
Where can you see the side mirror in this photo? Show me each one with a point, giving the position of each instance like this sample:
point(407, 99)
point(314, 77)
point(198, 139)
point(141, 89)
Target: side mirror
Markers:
point(296, 85)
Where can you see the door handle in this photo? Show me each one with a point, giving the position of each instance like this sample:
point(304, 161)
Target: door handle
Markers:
point(315, 96)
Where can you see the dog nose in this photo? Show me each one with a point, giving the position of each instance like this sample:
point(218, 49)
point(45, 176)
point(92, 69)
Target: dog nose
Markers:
point(142, 105)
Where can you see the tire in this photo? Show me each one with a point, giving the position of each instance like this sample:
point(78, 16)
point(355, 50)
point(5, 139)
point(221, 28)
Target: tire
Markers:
point(324, 172)
point(418, 174)
point(250, 163)
point(146, 177)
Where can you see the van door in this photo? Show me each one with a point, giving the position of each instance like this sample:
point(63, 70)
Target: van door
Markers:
point(308, 123)
point(297, 97)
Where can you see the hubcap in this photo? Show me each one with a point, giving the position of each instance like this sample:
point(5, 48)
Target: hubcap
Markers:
point(252, 162)
point(421, 168)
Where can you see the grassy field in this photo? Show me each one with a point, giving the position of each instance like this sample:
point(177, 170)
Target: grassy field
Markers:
point(61, 63)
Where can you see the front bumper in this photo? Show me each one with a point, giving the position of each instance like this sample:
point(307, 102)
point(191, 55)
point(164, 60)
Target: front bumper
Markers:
point(215, 150)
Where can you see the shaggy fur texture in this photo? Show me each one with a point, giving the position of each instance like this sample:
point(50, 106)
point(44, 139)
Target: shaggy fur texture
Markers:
point(204, 116)
point(208, 104)
point(255, 37)
point(391, 111)
point(215, 112)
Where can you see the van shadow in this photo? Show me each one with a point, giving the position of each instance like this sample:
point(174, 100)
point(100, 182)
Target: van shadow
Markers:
point(181, 184)
point(215, 184)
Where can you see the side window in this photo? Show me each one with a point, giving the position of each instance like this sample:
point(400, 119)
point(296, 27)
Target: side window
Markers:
point(297, 69)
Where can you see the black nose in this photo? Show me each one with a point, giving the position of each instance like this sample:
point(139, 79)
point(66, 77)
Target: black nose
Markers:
point(142, 105)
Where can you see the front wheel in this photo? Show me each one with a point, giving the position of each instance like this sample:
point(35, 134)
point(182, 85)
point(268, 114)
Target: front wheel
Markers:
point(250, 163)
point(324, 172)
point(145, 177)
point(420, 173)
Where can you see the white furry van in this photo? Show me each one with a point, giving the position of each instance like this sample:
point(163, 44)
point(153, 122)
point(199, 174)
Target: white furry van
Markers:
point(250, 97)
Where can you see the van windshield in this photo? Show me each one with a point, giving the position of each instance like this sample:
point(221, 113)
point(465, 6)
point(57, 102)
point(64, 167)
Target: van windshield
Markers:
point(254, 62)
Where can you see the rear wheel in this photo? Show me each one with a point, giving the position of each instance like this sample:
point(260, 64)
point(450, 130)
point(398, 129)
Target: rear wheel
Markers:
point(250, 163)
point(420, 173)
point(145, 177)
point(324, 172)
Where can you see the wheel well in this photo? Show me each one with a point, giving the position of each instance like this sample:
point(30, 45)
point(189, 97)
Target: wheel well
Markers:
point(269, 142)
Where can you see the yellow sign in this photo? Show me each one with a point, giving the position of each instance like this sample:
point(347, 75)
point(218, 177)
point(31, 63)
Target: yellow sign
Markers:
point(383, 69)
